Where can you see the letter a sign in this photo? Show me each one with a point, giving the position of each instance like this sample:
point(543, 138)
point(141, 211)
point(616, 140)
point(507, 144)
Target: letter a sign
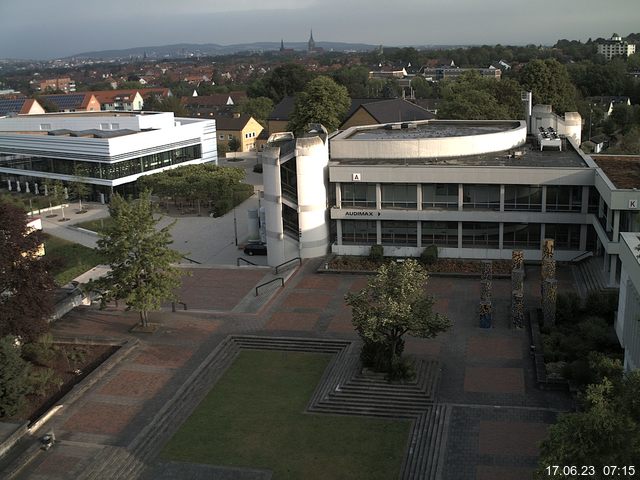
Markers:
point(356, 177)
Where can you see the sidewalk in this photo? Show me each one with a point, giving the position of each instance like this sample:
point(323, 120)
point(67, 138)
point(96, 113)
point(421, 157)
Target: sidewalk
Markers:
point(66, 231)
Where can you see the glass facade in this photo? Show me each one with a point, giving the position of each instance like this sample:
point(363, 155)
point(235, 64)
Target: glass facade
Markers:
point(521, 235)
point(398, 232)
point(440, 195)
point(290, 222)
point(442, 234)
point(481, 197)
point(480, 235)
point(566, 237)
point(358, 195)
point(102, 170)
point(522, 197)
point(399, 195)
point(562, 198)
point(359, 232)
point(289, 180)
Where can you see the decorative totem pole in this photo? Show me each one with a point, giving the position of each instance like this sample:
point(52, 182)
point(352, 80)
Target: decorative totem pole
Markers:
point(486, 309)
point(517, 288)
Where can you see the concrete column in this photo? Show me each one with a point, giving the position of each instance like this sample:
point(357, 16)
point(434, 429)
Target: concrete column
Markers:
point(583, 237)
point(378, 197)
point(339, 232)
point(37, 188)
point(419, 233)
point(18, 189)
point(544, 198)
point(459, 234)
point(616, 225)
point(9, 184)
point(460, 196)
point(609, 220)
point(584, 208)
point(500, 234)
point(419, 196)
point(501, 199)
point(378, 232)
point(338, 195)
point(625, 286)
point(613, 270)
point(26, 187)
point(543, 233)
point(600, 207)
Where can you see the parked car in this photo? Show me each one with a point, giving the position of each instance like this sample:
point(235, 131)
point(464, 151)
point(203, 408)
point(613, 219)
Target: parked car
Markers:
point(257, 248)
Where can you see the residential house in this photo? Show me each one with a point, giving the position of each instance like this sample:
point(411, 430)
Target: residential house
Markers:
point(73, 102)
point(21, 106)
point(377, 111)
point(241, 127)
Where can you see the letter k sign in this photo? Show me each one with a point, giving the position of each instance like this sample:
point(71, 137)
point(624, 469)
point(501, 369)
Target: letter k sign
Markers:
point(633, 203)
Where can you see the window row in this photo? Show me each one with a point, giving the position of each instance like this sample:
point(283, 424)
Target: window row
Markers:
point(103, 170)
point(474, 197)
point(445, 234)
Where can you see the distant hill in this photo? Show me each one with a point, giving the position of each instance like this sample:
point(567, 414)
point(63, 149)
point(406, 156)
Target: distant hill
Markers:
point(192, 49)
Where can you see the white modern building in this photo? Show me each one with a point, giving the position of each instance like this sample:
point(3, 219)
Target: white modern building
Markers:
point(111, 150)
point(627, 319)
point(615, 46)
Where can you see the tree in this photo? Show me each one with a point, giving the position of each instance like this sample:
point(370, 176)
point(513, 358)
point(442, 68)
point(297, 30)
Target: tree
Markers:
point(472, 97)
point(283, 81)
point(550, 84)
point(259, 108)
point(606, 432)
point(355, 79)
point(142, 271)
point(322, 101)
point(14, 377)
point(55, 192)
point(79, 185)
point(234, 145)
point(25, 284)
point(394, 303)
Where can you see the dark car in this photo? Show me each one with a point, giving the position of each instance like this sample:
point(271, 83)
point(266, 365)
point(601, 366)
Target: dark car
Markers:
point(257, 248)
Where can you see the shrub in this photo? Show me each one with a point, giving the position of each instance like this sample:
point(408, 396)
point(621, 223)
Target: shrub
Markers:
point(14, 377)
point(602, 304)
point(41, 379)
point(567, 308)
point(429, 255)
point(376, 253)
point(42, 352)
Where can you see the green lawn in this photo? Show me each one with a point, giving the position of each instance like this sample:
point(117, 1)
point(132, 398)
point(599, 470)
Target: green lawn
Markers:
point(254, 418)
point(68, 259)
point(96, 225)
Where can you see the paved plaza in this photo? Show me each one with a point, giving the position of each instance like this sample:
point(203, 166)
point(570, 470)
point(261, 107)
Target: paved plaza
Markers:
point(497, 419)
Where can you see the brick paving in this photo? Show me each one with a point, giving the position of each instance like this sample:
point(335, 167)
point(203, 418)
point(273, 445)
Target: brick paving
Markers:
point(498, 416)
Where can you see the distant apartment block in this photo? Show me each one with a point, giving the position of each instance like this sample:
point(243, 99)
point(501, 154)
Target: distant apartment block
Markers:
point(65, 84)
point(616, 46)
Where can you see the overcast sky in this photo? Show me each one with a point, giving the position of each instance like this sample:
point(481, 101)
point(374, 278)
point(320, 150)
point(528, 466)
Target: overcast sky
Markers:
point(39, 29)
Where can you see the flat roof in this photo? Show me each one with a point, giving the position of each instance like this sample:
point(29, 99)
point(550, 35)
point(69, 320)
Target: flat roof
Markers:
point(531, 157)
point(431, 129)
point(622, 170)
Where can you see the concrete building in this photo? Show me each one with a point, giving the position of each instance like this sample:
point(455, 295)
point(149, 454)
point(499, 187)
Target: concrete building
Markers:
point(615, 46)
point(627, 324)
point(111, 149)
point(65, 84)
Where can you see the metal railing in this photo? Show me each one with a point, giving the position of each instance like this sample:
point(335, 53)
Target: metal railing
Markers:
point(269, 282)
point(287, 262)
point(239, 259)
point(582, 256)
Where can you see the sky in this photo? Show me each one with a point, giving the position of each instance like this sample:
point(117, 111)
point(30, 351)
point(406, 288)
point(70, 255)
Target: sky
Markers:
point(43, 30)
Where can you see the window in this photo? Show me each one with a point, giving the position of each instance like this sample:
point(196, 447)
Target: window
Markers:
point(221, 137)
point(359, 232)
point(399, 195)
point(104, 126)
point(45, 126)
point(522, 197)
point(481, 197)
point(230, 137)
point(440, 195)
point(564, 198)
point(442, 234)
point(566, 237)
point(480, 235)
point(521, 235)
point(358, 195)
point(396, 232)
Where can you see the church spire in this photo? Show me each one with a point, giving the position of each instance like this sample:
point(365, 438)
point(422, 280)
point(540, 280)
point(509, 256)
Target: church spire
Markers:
point(311, 46)
point(282, 45)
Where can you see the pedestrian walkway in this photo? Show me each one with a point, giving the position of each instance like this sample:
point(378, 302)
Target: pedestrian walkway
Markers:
point(495, 415)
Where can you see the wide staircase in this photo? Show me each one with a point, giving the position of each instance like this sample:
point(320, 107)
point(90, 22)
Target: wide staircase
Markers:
point(589, 276)
point(344, 389)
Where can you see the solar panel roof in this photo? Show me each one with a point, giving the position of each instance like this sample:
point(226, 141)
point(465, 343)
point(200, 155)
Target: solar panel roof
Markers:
point(11, 105)
point(66, 102)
